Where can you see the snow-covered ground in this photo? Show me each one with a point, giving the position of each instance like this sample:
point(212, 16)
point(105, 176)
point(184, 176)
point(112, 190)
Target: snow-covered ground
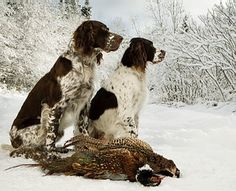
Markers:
point(200, 140)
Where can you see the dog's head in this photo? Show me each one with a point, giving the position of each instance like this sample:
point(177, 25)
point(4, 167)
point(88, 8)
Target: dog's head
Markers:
point(91, 35)
point(140, 52)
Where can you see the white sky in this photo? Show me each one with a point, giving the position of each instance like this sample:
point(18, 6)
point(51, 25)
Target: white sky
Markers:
point(108, 10)
point(198, 7)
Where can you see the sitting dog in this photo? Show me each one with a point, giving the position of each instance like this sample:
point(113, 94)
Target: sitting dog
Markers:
point(115, 108)
point(67, 87)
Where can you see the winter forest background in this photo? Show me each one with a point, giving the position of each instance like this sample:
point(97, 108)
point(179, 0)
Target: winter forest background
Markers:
point(200, 65)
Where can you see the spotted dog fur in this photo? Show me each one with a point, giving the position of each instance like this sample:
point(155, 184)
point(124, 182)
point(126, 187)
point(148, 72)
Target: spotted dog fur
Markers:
point(78, 95)
point(114, 110)
point(58, 98)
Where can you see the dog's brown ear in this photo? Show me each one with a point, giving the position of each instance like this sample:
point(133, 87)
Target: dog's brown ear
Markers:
point(138, 55)
point(84, 39)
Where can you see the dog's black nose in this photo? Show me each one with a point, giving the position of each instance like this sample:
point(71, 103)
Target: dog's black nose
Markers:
point(163, 52)
point(177, 173)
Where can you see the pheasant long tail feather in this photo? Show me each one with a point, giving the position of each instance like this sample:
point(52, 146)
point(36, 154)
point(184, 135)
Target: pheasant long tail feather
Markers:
point(26, 165)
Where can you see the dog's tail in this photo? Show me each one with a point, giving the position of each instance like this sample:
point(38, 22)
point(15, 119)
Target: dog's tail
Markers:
point(6, 147)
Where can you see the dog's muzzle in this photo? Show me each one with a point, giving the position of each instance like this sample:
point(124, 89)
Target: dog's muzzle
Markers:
point(159, 56)
point(113, 43)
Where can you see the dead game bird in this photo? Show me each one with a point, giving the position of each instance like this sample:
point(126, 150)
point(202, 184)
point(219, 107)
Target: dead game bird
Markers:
point(112, 161)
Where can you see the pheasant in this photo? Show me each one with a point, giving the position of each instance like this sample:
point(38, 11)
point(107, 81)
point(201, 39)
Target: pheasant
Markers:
point(119, 159)
point(136, 147)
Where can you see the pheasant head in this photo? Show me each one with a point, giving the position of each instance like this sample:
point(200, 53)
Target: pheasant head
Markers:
point(163, 166)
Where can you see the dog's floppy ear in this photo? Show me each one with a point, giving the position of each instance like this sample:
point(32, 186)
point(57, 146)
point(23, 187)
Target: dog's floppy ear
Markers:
point(139, 53)
point(135, 55)
point(83, 38)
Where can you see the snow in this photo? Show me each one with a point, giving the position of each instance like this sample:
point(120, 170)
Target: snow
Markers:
point(199, 139)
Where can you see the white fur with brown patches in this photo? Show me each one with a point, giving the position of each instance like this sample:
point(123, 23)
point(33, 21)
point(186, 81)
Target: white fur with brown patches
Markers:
point(34, 135)
point(81, 73)
point(159, 56)
point(77, 88)
point(129, 86)
point(67, 88)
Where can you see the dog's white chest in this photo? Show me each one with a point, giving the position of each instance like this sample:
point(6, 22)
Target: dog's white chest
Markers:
point(78, 81)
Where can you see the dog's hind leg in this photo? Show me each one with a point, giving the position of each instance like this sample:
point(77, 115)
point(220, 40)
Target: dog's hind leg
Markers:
point(36, 153)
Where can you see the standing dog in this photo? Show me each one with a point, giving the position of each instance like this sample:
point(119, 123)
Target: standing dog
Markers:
point(67, 87)
point(114, 110)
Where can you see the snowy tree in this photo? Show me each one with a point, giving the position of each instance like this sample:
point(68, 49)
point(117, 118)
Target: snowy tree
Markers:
point(168, 18)
point(69, 8)
point(200, 61)
point(185, 26)
point(33, 35)
point(210, 50)
point(86, 10)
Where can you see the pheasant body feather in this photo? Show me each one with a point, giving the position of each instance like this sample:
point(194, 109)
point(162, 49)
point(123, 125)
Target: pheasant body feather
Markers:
point(119, 159)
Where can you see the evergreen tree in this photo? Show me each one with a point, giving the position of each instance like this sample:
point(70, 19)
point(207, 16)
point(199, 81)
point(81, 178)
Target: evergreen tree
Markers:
point(86, 10)
point(185, 26)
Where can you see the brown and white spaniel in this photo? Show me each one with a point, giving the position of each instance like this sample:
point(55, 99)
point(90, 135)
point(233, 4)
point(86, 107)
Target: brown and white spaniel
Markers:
point(65, 89)
point(114, 110)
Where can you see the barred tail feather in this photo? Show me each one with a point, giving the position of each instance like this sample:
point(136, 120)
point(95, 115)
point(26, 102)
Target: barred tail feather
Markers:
point(6, 147)
point(20, 165)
